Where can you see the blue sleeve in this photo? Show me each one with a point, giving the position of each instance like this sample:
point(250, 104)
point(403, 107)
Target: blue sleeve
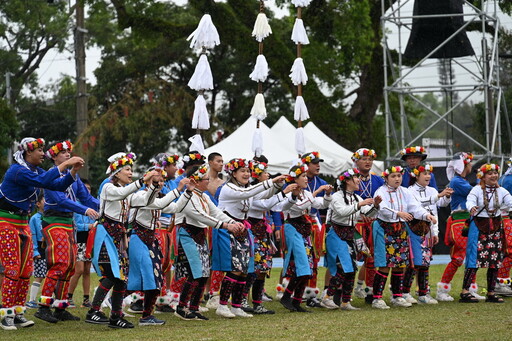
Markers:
point(461, 187)
point(81, 223)
point(60, 202)
point(35, 226)
point(433, 182)
point(278, 222)
point(85, 197)
point(50, 179)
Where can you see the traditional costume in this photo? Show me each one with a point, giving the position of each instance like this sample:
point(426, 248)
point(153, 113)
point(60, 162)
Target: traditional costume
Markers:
point(503, 284)
point(415, 151)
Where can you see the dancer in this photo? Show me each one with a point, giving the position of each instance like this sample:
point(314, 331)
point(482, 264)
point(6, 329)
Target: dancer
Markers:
point(343, 214)
point(299, 259)
point(421, 236)
point(390, 237)
point(413, 156)
point(19, 191)
point(40, 268)
point(504, 282)
point(485, 246)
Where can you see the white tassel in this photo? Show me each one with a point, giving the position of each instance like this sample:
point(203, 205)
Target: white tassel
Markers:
point(196, 143)
point(257, 142)
point(299, 35)
point(301, 111)
point(205, 35)
point(261, 28)
point(298, 72)
point(202, 78)
point(301, 3)
point(300, 144)
point(260, 72)
point(259, 111)
point(200, 119)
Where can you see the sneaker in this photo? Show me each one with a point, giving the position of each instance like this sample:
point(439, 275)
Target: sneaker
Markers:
point(328, 303)
point(408, 297)
point(32, 305)
point(336, 298)
point(44, 313)
point(8, 323)
point(348, 306)
point(369, 299)
point(199, 316)
point(427, 299)
point(245, 306)
point(21, 321)
point(203, 309)
point(286, 301)
point(136, 307)
point(184, 314)
point(313, 302)
point(444, 297)
point(224, 311)
point(150, 321)
point(477, 296)
point(279, 295)
point(86, 303)
point(64, 315)
point(164, 309)
point(299, 309)
point(239, 312)
point(503, 290)
point(261, 310)
point(213, 302)
point(96, 317)
point(71, 304)
point(359, 292)
point(266, 297)
point(119, 323)
point(379, 304)
point(400, 302)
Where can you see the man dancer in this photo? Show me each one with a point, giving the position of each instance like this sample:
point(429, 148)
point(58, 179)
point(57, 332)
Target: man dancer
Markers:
point(413, 157)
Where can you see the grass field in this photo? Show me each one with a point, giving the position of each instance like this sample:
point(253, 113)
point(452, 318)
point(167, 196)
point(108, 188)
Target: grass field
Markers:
point(445, 321)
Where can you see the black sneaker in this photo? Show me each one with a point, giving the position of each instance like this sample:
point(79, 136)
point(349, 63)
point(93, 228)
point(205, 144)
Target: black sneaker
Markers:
point(44, 313)
point(313, 302)
point(119, 323)
point(336, 298)
point(150, 321)
point(261, 310)
point(245, 306)
point(164, 308)
point(21, 321)
point(8, 323)
point(136, 307)
point(287, 303)
point(96, 317)
point(199, 316)
point(368, 299)
point(184, 314)
point(64, 315)
point(299, 309)
point(86, 303)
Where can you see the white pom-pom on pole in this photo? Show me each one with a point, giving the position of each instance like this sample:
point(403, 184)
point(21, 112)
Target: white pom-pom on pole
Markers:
point(300, 144)
point(202, 78)
point(196, 143)
point(200, 119)
point(301, 3)
point(257, 142)
point(261, 28)
point(205, 35)
point(299, 35)
point(301, 111)
point(260, 72)
point(298, 72)
point(259, 111)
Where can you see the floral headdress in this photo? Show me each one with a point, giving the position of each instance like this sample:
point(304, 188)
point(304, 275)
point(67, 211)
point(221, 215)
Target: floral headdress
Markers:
point(257, 168)
point(487, 168)
point(415, 150)
point(295, 171)
point(120, 160)
point(363, 152)
point(192, 156)
point(199, 173)
point(168, 159)
point(392, 169)
point(235, 164)
point(311, 157)
point(347, 175)
point(420, 169)
point(27, 144)
point(467, 157)
point(58, 147)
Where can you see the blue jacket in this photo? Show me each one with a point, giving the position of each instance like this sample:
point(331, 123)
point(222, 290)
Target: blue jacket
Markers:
point(82, 222)
point(374, 183)
point(21, 186)
point(461, 189)
point(37, 232)
point(313, 184)
point(506, 182)
point(169, 185)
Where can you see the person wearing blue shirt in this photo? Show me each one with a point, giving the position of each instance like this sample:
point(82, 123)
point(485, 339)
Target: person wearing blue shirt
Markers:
point(60, 238)
point(39, 252)
point(19, 190)
point(413, 156)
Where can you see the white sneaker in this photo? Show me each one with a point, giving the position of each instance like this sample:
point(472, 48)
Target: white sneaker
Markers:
point(359, 292)
point(408, 297)
point(503, 290)
point(323, 294)
point(400, 302)
point(427, 299)
point(239, 312)
point(444, 297)
point(348, 306)
point(203, 309)
point(213, 302)
point(224, 311)
point(473, 289)
point(379, 304)
point(328, 303)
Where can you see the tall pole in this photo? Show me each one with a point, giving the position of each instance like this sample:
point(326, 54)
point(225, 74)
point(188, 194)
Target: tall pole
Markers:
point(81, 85)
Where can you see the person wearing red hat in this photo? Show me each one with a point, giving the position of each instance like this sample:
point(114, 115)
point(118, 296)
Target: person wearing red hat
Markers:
point(413, 156)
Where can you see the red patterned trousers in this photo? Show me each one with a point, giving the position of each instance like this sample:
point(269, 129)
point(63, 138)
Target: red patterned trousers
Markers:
point(454, 238)
point(504, 272)
point(164, 239)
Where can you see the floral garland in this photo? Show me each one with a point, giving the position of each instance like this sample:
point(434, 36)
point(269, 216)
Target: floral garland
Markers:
point(192, 157)
point(235, 164)
point(412, 150)
point(32, 145)
point(420, 169)
point(347, 175)
point(363, 152)
point(257, 168)
point(59, 147)
point(169, 159)
point(392, 169)
point(487, 168)
point(295, 171)
point(200, 173)
point(125, 160)
point(467, 157)
point(308, 157)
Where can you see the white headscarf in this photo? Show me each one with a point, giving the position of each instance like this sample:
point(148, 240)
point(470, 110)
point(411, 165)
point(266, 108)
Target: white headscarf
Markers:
point(22, 148)
point(456, 165)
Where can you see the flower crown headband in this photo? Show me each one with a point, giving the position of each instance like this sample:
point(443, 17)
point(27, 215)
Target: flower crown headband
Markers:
point(467, 158)
point(199, 173)
point(363, 152)
point(169, 159)
point(192, 157)
point(295, 171)
point(487, 168)
point(411, 150)
point(307, 158)
point(58, 147)
point(235, 164)
point(392, 169)
point(257, 168)
point(29, 144)
point(420, 169)
point(118, 161)
point(347, 175)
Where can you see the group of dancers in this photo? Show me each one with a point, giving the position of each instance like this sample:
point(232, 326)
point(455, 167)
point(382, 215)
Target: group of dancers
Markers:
point(216, 234)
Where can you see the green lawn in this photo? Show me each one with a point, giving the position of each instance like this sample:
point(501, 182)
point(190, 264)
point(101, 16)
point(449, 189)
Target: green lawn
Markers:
point(445, 321)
